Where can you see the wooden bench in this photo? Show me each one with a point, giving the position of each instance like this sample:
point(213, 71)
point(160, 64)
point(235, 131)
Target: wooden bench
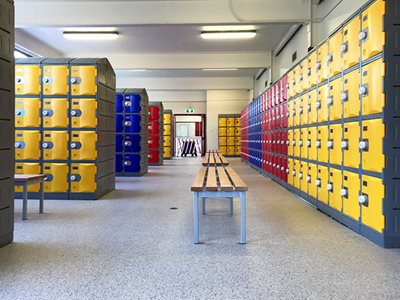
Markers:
point(24, 180)
point(218, 182)
point(214, 157)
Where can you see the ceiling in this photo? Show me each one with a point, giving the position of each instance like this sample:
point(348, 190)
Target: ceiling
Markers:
point(188, 73)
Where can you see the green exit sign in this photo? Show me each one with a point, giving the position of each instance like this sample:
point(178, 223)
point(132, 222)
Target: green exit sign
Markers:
point(189, 110)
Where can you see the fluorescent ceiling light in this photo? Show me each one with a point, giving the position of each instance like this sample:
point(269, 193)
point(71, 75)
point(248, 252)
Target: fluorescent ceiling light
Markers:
point(217, 69)
point(90, 35)
point(224, 35)
point(138, 70)
point(229, 28)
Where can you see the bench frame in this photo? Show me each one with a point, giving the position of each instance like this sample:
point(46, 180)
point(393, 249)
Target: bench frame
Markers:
point(25, 183)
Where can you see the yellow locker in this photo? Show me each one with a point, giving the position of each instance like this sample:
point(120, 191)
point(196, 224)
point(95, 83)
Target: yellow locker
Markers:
point(311, 180)
point(230, 131)
point(322, 64)
point(303, 143)
point(237, 122)
point(167, 141)
point(291, 112)
point(230, 150)
point(290, 171)
point(296, 174)
point(222, 122)
point(28, 168)
point(351, 138)
point(83, 145)
point(304, 110)
point(237, 150)
point(296, 111)
point(322, 103)
point(223, 150)
point(372, 35)
point(55, 113)
point(27, 112)
point(322, 183)
point(237, 141)
point(303, 75)
point(57, 177)
point(350, 95)
point(350, 192)
point(237, 131)
point(371, 90)
point(83, 178)
point(322, 144)
point(27, 144)
point(297, 86)
point(312, 69)
point(371, 200)
point(55, 80)
point(291, 84)
point(334, 144)
point(334, 187)
point(167, 129)
point(303, 176)
point(230, 141)
point(27, 80)
point(335, 99)
point(83, 80)
point(55, 145)
point(84, 113)
point(230, 122)
point(371, 145)
point(167, 119)
point(312, 102)
point(296, 142)
point(290, 141)
point(335, 56)
point(167, 152)
point(222, 141)
point(311, 143)
point(351, 45)
point(222, 131)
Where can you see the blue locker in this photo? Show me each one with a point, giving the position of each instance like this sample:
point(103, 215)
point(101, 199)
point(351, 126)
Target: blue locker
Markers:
point(132, 103)
point(132, 163)
point(119, 120)
point(132, 123)
point(119, 143)
point(119, 163)
point(119, 103)
point(132, 142)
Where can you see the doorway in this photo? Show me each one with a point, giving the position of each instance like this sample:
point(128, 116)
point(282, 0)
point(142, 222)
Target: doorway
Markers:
point(190, 128)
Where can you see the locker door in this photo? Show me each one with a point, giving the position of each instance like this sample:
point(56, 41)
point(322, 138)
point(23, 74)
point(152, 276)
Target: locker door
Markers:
point(322, 147)
point(350, 95)
point(167, 129)
point(132, 143)
point(296, 144)
point(291, 86)
point(371, 145)
point(350, 192)
point(131, 104)
point(84, 113)
point(311, 180)
point(351, 44)
point(132, 124)
point(290, 113)
point(303, 75)
point(132, 163)
point(335, 55)
point(290, 142)
point(223, 150)
point(83, 178)
point(297, 107)
point(334, 144)
point(322, 103)
point(303, 176)
point(28, 168)
point(27, 145)
point(119, 143)
point(83, 145)
point(297, 72)
point(55, 113)
point(237, 132)
point(230, 122)
point(167, 119)
point(321, 183)
point(372, 34)
point(237, 122)
point(222, 122)
point(371, 90)
point(303, 143)
point(27, 80)
point(231, 131)
point(304, 110)
point(311, 143)
point(312, 70)
point(119, 103)
point(237, 141)
point(322, 64)
point(27, 112)
point(154, 113)
point(237, 150)
point(335, 99)
point(334, 187)
point(154, 142)
point(230, 141)
point(289, 171)
point(222, 131)
point(222, 141)
point(167, 152)
point(230, 150)
point(312, 108)
point(350, 145)
point(55, 80)
point(371, 200)
point(55, 145)
point(296, 174)
point(57, 177)
point(83, 80)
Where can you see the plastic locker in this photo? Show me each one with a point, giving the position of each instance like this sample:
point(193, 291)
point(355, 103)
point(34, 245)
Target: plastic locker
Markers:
point(322, 64)
point(230, 150)
point(27, 144)
point(132, 124)
point(371, 199)
point(350, 95)
point(223, 150)
point(297, 116)
point(296, 144)
point(284, 140)
point(222, 131)
point(372, 35)
point(335, 99)
point(230, 141)
point(230, 122)
point(303, 75)
point(230, 131)
point(83, 178)
point(351, 45)
point(222, 140)
point(322, 144)
point(154, 142)
point(237, 140)
point(303, 111)
point(83, 80)
point(167, 119)
point(334, 144)
point(84, 113)
point(284, 88)
point(27, 79)
point(153, 126)
point(311, 179)
point(119, 142)
point(57, 177)
point(349, 193)
point(167, 152)
point(311, 143)
point(237, 132)
point(296, 174)
point(221, 122)
point(312, 69)
point(55, 145)
point(284, 166)
point(154, 156)
point(55, 113)
point(371, 145)
point(334, 187)
point(290, 84)
point(297, 71)
point(303, 176)
point(303, 143)
point(119, 103)
point(290, 142)
point(131, 104)
point(119, 163)
point(321, 183)
point(290, 171)
point(322, 103)
point(237, 150)
point(371, 89)
point(167, 141)
point(237, 122)
point(83, 145)
point(312, 107)
point(350, 144)
point(28, 168)
point(154, 113)
point(55, 80)
point(167, 129)
point(27, 112)
point(335, 57)
point(132, 163)
point(132, 142)
point(290, 113)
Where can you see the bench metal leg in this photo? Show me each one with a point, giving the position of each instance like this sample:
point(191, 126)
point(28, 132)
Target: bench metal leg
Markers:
point(203, 206)
point(231, 206)
point(196, 218)
point(41, 203)
point(242, 218)
point(25, 203)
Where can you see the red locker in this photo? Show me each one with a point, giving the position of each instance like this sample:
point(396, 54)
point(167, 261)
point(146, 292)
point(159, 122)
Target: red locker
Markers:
point(269, 118)
point(285, 115)
point(154, 142)
point(154, 156)
point(284, 137)
point(154, 127)
point(269, 99)
point(154, 113)
point(284, 89)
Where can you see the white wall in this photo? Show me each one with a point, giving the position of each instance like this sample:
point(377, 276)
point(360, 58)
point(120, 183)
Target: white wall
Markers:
point(179, 107)
point(34, 47)
point(259, 84)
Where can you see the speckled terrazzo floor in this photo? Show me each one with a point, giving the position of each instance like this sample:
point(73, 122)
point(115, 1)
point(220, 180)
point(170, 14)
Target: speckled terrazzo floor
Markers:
point(130, 245)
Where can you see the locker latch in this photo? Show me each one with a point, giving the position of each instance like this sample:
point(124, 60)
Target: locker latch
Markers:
point(318, 144)
point(330, 101)
point(363, 199)
point(344, 192)
point(363, 35)
point(76, 145)
point(344, 47)
point(75, 177)
point(345, 96)
point(318, 66)
point(363, 90)
point(128, 103)
point(47, 113)
point(20, 112)
point(19, 145)
point(76, 80)
point(76, 113)
point(364, 145)
point(318, 104)
point(127, 163)
point(308, 178)
point(301, 175)
point(345, 145)
point(318, 182)
point(330, 144)
point(47, 145)
point(329, 58)
point(329, 187)
point(309, 143)
point(128, 143)
point(49, 177)
point(47, 80)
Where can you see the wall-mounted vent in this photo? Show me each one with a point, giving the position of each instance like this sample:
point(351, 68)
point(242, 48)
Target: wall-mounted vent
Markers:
point(294, 56)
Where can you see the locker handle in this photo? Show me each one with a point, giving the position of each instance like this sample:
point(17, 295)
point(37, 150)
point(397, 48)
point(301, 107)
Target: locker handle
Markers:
point(301, 175)
point(308, 178)
point(329, 187)
point(345, 96)
point(344, 192)
point(129, 123)
point(294, 173)
point(330, 144)
point(318, 183)
point(363, 90)
point(47, 113)
point(19, 112)
point(47, 145)
point(345, 144)
point(318, 144)
point(318, 104)
point(128, 143)
point(127, 163)
point(293, 143)
point(301, 143)
point(330, 101)
point(329, 58)
point(49, 177)
point(301, 110)
point(364, 145)
point(18, 79)
point(363, 199)
point(344, 47)
point(282, 169)
point(308, 72)
point(76, 113)
point(287, 171)
point(75, 178)
point(309, 107)
point(18, 145)
point(128, 103)
point(362, 36)
point(309, 143)
point(318, 66)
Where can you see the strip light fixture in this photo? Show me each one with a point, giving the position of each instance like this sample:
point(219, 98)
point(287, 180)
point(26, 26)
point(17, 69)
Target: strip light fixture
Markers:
point(220, 69)
point(228, 35)
point(91, 35)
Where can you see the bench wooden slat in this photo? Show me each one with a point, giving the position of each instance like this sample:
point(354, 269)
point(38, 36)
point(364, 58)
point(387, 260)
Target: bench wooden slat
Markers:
point(237, 181)
point(28, 177)
point(205, 159)
point(198, 182)
point(211, 184)
point(212, 160)
point(224, 181)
